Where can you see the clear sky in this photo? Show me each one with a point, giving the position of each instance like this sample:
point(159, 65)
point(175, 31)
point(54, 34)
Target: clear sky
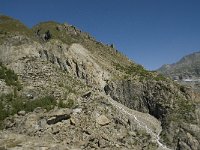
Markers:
point(151, 32)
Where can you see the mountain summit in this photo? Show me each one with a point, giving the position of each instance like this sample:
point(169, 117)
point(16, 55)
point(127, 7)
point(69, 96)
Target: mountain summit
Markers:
point(62, 89)
point(186, 71)
point(187, 67)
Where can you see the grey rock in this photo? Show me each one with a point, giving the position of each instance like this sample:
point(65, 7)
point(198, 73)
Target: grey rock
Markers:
point(77, 110)
point(102, 120)
point(22, 113)
point(42, 123)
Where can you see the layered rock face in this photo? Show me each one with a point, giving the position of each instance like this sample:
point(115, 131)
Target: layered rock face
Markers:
point(68, 82)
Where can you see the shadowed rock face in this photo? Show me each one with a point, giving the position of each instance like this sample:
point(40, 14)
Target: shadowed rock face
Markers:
point(83, 74)
point(158, 100)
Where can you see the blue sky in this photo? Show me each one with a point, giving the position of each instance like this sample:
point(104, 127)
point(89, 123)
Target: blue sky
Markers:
point(151, 32)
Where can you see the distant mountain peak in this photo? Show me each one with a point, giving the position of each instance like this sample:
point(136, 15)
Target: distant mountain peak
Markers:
point(186, 70)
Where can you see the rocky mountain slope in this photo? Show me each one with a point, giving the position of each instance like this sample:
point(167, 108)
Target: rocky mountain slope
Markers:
point(186, 71)
point(62, 89)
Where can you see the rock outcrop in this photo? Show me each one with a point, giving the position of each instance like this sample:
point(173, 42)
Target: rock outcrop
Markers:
point(164, 101)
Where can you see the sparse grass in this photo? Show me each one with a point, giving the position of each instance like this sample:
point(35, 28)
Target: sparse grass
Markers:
point(183, 112)
point(9, 26)
point(139, 71)
point(11, 104)
point(160, 77)
point(3, 113)
point(68, 104)
point(46, 102)
point(10, 77)
point(52, 28)
point(70, 89)
point(133, 70)
point(119, 67)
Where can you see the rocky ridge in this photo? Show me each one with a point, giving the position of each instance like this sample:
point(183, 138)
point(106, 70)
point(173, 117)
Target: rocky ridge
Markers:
point(186, 71)
point(66, 85)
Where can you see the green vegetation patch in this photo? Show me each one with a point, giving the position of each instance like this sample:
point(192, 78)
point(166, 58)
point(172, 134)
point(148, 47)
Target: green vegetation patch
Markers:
point(53, 30)
point(68, 104)
point(9, 76)
point(140, 71)
point(183, 112)
point(137, 69)
point(133, 69)
point(47, 102)
point(11, 104)
point(11, 26)
point(160, 77)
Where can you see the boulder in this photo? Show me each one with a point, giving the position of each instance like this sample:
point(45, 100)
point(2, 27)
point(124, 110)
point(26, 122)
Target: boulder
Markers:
point(102, 120)
point(21, 113)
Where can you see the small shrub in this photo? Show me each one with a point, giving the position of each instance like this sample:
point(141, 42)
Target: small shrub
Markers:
point(47, 102)
point(133, 69)
point(70, 89)
point(119, 67)
point(137, 69)
point(11, 104)
point(160, 77)
point(61, 84)
point(68, 104)
point(9, 76)
point(17, 105)
point(3, 113)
